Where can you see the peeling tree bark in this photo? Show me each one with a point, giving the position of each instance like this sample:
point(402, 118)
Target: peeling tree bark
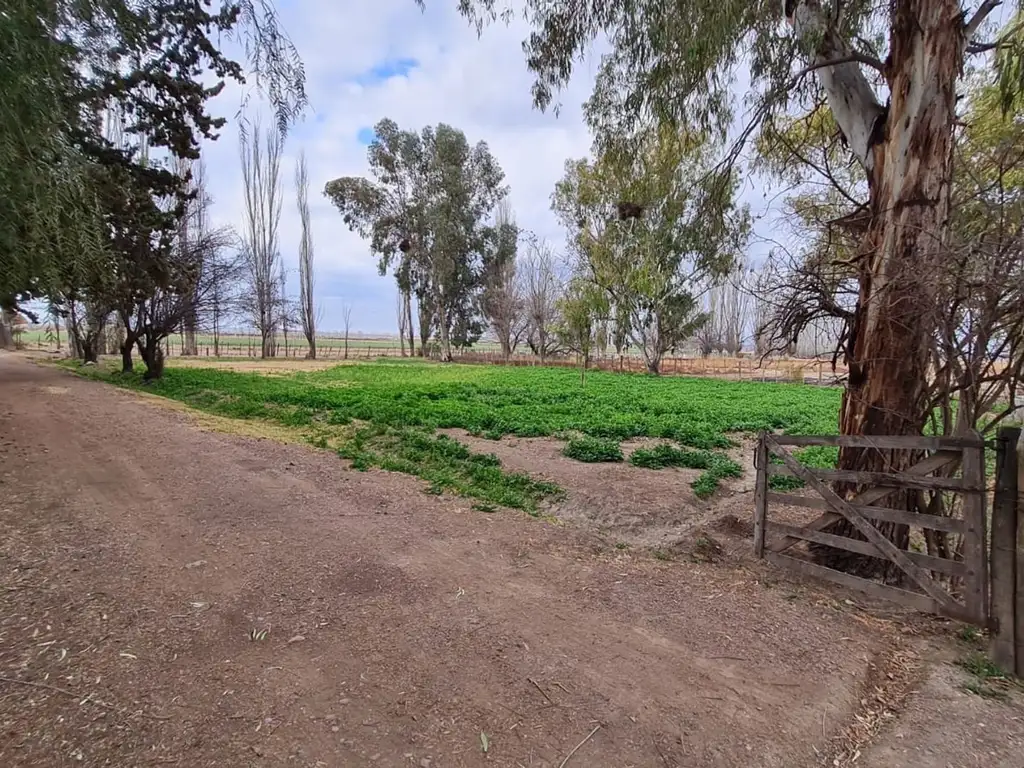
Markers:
point(906, 151)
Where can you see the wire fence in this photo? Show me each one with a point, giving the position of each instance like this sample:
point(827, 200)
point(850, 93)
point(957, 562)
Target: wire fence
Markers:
point(748, 367)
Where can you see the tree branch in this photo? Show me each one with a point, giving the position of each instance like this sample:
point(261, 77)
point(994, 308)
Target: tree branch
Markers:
point(853, 58)
point(971, 28)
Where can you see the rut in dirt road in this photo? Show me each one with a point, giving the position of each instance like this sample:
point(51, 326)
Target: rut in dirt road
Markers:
point(140, 553)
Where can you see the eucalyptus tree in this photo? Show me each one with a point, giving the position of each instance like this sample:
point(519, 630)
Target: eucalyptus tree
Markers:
point(889, 74)
point(426, 213)
point(387, 208)
point(158, 63)
point(651, 236)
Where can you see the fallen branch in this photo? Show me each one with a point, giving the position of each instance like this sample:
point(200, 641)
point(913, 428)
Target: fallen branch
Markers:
point(576, 748)
point(542, 693)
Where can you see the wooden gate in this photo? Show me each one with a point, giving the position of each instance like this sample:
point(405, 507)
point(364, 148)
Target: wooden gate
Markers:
point(928, 591)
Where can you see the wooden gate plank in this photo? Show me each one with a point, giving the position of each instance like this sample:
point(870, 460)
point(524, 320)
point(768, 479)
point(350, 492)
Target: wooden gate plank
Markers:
point(872, 534)
point(885, 514)
point(883, 442)
point(937, 564)
point(889, 479)
point(913, 600)
point(868, 496)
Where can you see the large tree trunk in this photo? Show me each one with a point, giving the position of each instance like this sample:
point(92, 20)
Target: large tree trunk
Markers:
point(152, 353)
point(126, 356)
point(442, 332)
point(189, 346)
point(267, 346)
point(408, 321)
point(906, 152)
point(426, 320)
point(6, 329)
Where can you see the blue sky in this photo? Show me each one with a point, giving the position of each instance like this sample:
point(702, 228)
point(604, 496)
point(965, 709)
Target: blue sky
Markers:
point(369, 60)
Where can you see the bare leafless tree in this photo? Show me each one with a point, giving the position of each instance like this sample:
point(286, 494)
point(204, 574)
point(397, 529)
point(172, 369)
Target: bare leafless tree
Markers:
point(729, 305)
point(402, 310)
point(346, 317)
point(542, 289)
point(285, 309)
point(307, 307)
point(502, 299)
point(193, 228)
point(260, 153)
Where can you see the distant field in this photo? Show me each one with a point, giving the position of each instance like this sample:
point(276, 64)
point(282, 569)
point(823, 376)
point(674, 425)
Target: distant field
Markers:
point(233, 344)
point(385, 414)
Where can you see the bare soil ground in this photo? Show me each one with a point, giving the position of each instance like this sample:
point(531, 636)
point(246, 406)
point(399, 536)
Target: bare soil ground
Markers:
point(138, 553)
point(623, 504)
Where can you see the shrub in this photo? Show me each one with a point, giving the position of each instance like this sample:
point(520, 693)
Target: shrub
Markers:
point(716, 465)
point(593, 449)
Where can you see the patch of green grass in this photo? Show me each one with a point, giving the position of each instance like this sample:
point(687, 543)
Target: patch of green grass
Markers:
point(593, 449)
point(984, 690)
point(981, 666)
point(716, 465)
point(395, 396)
point(989, 681)
point(969, 634)
point(527, 402)
point(446, 465)
point(815, 456)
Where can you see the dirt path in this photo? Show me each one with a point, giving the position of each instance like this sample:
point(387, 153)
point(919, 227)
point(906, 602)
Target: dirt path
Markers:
point(138, 554)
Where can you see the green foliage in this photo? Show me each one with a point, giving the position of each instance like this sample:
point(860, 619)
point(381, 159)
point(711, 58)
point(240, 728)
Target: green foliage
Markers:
point(425, 214)
point(716, 465)
point(815, 456)
point(579, 310)
point(70, 197)
point(527, 402)
point(593, 449)
point(447, 465)
point(403, 402)
point(673, 63)
point(980, 665)
point(648, 233)
point(989, 680)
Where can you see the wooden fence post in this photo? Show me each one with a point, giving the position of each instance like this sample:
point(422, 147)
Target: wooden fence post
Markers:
point(975, 554)
point(1006, 559)
point(760, 494)
point(1019, 591)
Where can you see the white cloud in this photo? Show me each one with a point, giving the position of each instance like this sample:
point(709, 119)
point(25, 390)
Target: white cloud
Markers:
point(479, 85)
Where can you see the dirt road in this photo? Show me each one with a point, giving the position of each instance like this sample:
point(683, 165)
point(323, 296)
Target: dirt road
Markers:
point(139, 554)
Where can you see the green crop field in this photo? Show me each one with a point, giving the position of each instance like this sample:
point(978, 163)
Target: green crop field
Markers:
point(384, 414)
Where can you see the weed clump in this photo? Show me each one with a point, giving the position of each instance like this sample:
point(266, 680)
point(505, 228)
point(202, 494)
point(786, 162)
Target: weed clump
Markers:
point(593, 449)
point(716, 466)
point(446, 465)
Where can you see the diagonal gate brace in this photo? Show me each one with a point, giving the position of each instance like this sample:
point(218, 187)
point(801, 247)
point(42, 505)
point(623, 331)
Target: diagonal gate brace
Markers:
point(862, 524)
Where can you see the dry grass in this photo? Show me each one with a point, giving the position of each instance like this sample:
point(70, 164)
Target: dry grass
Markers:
point(255, 365)
point(892, 676)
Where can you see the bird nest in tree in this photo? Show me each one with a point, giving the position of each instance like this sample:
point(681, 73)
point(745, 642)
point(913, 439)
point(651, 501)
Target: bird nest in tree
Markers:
point(404, 246)
point(628, 210)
